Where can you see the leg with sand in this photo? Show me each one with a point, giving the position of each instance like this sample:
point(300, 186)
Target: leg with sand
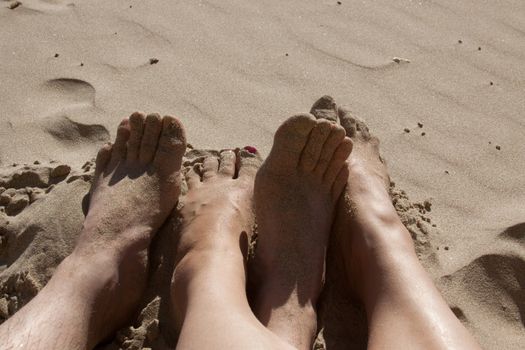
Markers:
point(296, 192)
point(96, 289)
point(404, 309)
point(209, 282)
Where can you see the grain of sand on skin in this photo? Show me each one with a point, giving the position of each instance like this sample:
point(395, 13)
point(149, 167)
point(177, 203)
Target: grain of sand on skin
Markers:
point(229, 81)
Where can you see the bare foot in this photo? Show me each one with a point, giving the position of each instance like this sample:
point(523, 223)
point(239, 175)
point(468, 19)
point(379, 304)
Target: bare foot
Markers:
point(219, 199)
point(296, 191)
point(209, 282)
point(365, 201)
point(136, 186)
point(96, 289)
point(403, 307)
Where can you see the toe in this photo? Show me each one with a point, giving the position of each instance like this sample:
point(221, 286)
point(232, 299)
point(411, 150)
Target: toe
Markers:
point(249, 161)
point(314, 146)
point(192, 177)
point(119, 147)
point(340, 182)
point(103, 157)
point(339, 157)
point(354, 127)
point(172, 145)
point(336, 136)
point(325, 108)
point(210, 167)
point(289, 141)
point(227, 163)
point(136, 122)
point(150, 138)
point(348, 122)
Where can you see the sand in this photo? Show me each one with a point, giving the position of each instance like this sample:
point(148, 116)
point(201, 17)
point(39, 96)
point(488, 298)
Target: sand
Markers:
point(440, 82)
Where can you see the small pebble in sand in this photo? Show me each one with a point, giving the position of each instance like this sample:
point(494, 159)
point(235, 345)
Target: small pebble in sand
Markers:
point(460, 41)
point(56, 55)
point(479, 48)
point(81, 64)
point(286, 55)
point(339, 3)
point(490, 142)
point(428, 205)
point(447, 248)
point(153, 60)
point(407, 130)
point(446, 172)
point(434, 225)
point(400, 60)
point(498, 148)
point(36, 162)
point(491, 83)
point(130, 6)
point(423, 133)
point(14, 5)
point(420, 125)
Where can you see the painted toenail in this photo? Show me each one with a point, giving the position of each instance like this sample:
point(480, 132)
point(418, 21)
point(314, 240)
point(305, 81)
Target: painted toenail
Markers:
point(251, 149)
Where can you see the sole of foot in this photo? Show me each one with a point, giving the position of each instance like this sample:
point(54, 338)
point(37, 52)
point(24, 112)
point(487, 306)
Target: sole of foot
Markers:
point(296, 191)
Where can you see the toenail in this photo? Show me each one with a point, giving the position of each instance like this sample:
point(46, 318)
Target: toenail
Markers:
point(251, 149)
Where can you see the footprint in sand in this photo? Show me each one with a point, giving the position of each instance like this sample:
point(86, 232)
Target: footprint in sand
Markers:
point(68, 92)
point(64, 99)
point(67, 131)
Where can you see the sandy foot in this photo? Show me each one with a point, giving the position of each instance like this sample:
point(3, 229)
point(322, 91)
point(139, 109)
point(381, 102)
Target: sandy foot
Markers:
point(296, 191)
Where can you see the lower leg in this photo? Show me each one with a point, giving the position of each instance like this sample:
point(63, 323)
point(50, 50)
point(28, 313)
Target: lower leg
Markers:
point(209, 282)
point(96, 289)
point(64, 315)
point(404, 308)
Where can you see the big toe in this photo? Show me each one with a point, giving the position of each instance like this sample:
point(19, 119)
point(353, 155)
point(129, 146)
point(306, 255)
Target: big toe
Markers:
point(171, 145)
point(289, 142)
point(354, 127)
point(120, 146)
point(249, 161)
point(325, 108)
point(102, 160)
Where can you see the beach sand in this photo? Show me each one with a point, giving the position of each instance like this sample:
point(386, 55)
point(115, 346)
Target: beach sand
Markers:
point(439, 82)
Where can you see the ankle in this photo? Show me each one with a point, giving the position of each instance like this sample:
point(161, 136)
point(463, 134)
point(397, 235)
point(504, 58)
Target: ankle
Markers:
point(198, 267)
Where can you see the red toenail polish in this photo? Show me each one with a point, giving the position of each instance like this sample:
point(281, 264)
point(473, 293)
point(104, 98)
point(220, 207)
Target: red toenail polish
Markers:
point(251, 149)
